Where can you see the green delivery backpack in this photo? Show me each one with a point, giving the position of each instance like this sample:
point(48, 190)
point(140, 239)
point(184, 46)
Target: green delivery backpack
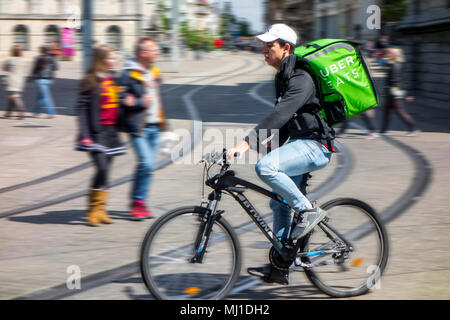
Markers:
point(342, 78)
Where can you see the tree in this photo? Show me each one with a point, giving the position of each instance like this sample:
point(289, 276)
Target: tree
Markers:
point(196, 39)
point(184, 27)
point(162, 15)
point(244, 27)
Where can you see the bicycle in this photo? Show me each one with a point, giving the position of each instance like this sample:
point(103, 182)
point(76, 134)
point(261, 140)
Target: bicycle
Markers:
point(194, 253)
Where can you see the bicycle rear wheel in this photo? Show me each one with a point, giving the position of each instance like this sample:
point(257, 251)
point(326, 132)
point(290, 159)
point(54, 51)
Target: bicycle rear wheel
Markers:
point(168, 249)
point(353, 272)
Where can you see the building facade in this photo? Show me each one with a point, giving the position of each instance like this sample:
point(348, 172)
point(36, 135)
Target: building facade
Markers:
point(347, 19)
point(298, 14)
point(200, 14)
point(426, 46)
point(33, 23)
point(315, 19)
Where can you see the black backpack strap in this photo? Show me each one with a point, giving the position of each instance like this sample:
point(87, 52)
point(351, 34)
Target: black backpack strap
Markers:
point(325, 130)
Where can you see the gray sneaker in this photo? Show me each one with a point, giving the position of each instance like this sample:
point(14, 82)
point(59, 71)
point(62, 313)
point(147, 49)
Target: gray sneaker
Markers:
point(412, 133)
point(310, 218)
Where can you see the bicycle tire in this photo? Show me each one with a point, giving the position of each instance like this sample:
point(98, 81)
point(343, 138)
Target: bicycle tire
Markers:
point(160, 287)
point(317, 275)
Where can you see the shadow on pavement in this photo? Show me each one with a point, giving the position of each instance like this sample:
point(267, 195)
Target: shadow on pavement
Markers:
point(266, 292)
point(69, 217)
point(290, 292)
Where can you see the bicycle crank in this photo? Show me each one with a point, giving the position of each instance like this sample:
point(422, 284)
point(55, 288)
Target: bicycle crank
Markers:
point(277, 261)
point(301, 264)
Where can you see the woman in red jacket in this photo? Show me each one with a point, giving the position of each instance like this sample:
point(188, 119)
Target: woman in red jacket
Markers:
point(98, 107)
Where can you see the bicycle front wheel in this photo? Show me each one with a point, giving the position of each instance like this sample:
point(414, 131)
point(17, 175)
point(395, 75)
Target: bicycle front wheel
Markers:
point(357, 234)
point(168, 249)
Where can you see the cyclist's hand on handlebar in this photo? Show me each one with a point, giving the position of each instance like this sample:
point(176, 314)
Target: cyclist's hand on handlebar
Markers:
point(238, 150)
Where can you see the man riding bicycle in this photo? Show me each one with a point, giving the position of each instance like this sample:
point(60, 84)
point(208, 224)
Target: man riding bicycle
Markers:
point(296, 117)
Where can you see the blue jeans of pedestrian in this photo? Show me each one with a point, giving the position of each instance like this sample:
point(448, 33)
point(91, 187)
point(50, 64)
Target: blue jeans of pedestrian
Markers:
point(283, 170)
point(146, 149)
point(44, 97)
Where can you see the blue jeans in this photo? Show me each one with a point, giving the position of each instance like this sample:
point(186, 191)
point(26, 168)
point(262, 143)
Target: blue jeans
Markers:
point(283, 170)
point(44, 97)
point(146, 149)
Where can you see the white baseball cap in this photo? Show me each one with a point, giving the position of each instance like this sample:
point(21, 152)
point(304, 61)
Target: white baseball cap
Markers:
point(279, 31)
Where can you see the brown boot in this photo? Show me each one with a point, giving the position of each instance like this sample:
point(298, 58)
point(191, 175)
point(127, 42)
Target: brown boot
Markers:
point(93, 215)
point(103, 214)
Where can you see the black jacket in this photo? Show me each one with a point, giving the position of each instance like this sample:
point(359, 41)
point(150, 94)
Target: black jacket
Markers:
point(44, 67)
point(104, 138)
point(88, 114)
point(88, 110)
point(394, 81)
point(133, 118)
point(297, 110)
point(394, 74)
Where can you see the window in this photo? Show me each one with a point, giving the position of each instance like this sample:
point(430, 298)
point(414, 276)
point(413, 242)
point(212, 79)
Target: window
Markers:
point(52, 34)
point(20, 36)
point(114, 37)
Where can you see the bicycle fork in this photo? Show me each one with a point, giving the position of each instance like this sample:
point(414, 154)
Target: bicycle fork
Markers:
point(205, 228)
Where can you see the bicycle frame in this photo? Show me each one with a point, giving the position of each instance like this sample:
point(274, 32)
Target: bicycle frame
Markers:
point(229, 183)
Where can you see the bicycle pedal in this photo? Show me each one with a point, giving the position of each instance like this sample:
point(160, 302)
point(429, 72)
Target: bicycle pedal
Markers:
point(296, 268)
point(300, 267)
point(297, 265)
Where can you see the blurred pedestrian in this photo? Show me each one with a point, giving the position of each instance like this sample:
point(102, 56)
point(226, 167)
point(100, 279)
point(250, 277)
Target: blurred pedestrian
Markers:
point(55, 50)
point(379, 52)
point(382, 43)
point(98, 107)
point(372, 134)
point(368, 48)
point(43, 73)
point(15, 66)
point(394, 94)
point(144, 120)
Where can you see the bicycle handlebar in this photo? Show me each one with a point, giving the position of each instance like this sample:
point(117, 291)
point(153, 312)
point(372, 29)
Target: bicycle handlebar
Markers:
point(217, 157)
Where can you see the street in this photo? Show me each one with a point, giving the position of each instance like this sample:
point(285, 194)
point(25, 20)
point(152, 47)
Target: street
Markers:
point(43, 183)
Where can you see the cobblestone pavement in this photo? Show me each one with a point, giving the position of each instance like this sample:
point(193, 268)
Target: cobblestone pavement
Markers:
point(38, 245)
